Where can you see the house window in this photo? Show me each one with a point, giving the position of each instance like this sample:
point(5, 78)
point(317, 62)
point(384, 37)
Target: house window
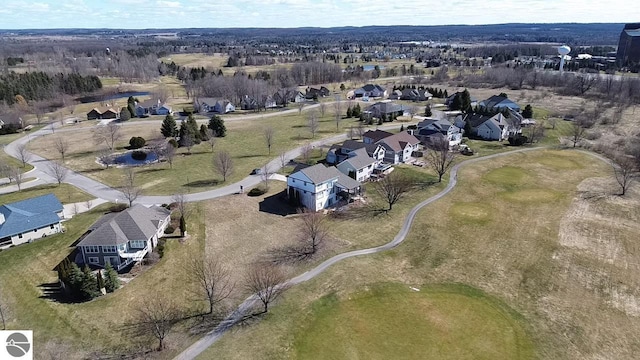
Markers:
point(51, 226)
point(35, 230)
point(109, 249)
point(122, 247)
point(19, 236)
point(92, 249)
point(137, 244)
point(93, 260)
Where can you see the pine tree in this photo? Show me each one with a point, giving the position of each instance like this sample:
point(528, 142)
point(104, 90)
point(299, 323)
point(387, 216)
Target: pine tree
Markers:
point(349, 112)
point(169, 127)
point(427, 111)
point(203, 133)
point(217, 125)
point(465, 101)
point(124, 114)
point(193, 128)
point(111, 281)
point(88, 288)
point(467, 128)
point(75, 279)
point(527, 113)
point(445, 94)
point(187, 137)
point(402, 128)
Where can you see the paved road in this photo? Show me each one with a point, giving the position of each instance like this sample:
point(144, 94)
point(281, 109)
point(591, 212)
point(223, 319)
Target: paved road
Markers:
point(214, 335)
point(102, 191)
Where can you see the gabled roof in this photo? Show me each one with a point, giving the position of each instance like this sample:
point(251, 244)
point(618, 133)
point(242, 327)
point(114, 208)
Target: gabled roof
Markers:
point(30, 214)
point(135, 223)
point(376, 135)
point(386, 108)
point(344, 181)
point(361, 160)
point(399, 141)
point(319, 173)
point(355, 145)
point(440, 124)
point(497, 101)
point(476, 120)
point(371, 87)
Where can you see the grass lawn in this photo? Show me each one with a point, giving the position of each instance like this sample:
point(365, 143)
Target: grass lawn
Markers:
point(391, 321)
point(64, 192)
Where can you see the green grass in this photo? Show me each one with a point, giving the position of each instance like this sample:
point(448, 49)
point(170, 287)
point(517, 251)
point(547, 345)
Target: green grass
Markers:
point(391, 321)
point(64, 192)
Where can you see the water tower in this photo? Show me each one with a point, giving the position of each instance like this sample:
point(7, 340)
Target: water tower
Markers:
point(563, 51)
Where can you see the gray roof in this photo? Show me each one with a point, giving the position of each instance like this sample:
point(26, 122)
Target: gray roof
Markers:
point(346, 182)
point(360, 160)
point(376, 135)
point(319, 173)
point(135, 223)
point(30, 214)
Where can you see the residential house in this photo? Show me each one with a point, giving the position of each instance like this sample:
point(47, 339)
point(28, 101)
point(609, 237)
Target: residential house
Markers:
point(96, 114)
point(163, 109)
point(249, 103)
point(399, 147)
point(313, 93)
point(31, 219)
point(143, 108)
point(123, 238)
point(431, 129)
point(318, 187)
point(387, 109)
point(299, 97)
point(449, 100)
point(358, 166)
point(395, 95)
point(410, 94)
point(370, 91)
point(373, 136)
point(499, 103)
point(209, 105)
point(495, 127)
point(339, 153)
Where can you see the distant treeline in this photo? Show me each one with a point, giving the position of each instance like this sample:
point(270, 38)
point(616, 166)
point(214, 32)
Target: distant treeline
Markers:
point(41, 86)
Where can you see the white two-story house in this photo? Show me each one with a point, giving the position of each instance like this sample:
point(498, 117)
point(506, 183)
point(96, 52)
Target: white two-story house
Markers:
point(123, 238)
point(431, 129)
point(318, 187)
point(399, 147)
point(359, 165)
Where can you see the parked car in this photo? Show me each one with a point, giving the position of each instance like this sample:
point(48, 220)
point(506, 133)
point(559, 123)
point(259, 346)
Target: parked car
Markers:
point(256, 172)
point(465, 150)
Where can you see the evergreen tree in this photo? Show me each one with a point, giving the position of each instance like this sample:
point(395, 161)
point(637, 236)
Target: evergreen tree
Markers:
point(356, 111)
point(75, 279)
point(504, 95)
point(427, 111)
point(349, 113)
point(465, 101)
point(527, 113)
point(203, 133)
point(89, 288)
point(505, 112)
point(217, 125)
point(456, 104)
point(169, 127)
point(131, 106)
point(445, 94)
point(111, 281)
point(193, 128)
point(187, 137)
point(402, 128)
point(124, 114)
point(467, 128)
point(183, 226)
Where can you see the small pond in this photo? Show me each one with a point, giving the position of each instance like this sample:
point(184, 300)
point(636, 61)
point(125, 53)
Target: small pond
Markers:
point(106, 97)
point(371, 67)
point(127, 160)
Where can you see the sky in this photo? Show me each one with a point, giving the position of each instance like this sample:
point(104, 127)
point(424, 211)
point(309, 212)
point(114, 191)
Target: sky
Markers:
point(141, 14)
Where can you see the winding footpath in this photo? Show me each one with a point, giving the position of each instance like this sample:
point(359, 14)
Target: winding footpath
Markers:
point(243, 309)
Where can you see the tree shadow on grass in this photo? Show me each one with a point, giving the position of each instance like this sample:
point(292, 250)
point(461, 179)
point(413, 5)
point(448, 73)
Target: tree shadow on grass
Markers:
point(54, 292)
point(359, 212)
point(288, 255)
point(91, 171)
point(202, 183)
point(149, 170)
point(276, 204)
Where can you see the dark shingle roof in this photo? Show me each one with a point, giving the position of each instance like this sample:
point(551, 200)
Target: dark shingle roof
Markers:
point(376, 135)
point(319, 173)
point(399, 141)
point(135, 223)
point(30, 214)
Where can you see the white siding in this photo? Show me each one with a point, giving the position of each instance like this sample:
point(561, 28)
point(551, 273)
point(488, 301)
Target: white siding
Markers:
point(37, 234)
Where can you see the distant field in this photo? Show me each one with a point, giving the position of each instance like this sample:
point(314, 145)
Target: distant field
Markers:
point(64, 192)
point(214, 61)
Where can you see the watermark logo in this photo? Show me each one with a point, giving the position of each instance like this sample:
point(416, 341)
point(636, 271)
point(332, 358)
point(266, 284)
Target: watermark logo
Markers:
point(17, 345)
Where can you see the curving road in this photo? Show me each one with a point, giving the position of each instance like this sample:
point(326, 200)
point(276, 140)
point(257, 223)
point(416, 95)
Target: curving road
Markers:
point(236, 316)
point(102, 191)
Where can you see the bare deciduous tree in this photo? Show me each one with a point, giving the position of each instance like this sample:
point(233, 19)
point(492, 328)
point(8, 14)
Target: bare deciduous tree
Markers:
point(155, 318)
point(180, 202)
point(223, 164)
point(212, 138)
point(313, 230)
point(129, 188)
point(393, 187)
point(337, 112)
point(625, 172)
point(57, 171)
point(61, 145)
point(360, 130)
point(88, 204)
point(322, 107)
point(23, 154)
point(283, 159)
point(169, 154)
point(305, 153)
point(107, 134)
point(313, 123)
point(212, 279)
point(269, 134)
point(265, 176)
point(439, 157)
point(300, 106)
point(266, 282)
point(104, 156)
point(17, 175)
point(535, 131)
point(578, 129)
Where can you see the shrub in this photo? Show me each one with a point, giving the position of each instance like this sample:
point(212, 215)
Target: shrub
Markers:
point(117, 207)
point(173, 143)
point(139, 155)
point(160, 247)
point(136, 142)
point(169, 230)
point(257, 191)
